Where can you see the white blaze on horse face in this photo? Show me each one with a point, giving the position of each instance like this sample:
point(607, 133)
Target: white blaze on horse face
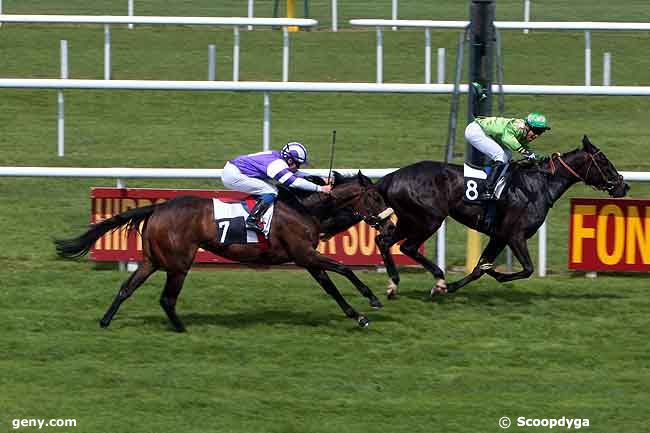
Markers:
point(386, 213)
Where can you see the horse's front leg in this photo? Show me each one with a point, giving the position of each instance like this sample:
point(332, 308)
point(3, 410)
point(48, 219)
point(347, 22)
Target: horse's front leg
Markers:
point(384, 242)
point(520, 250)
point(485, 264)
point(329, 287)
point(314, 259)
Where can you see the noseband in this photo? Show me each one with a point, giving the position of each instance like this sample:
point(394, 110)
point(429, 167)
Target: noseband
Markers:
point(608, 185)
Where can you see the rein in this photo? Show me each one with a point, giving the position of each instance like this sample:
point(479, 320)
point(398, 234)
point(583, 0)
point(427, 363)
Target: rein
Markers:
point(609, 185)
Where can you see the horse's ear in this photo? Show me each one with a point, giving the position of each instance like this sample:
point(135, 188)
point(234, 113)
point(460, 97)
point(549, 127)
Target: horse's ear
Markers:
point(363, 180)
point(588, 146)
point(338, 178)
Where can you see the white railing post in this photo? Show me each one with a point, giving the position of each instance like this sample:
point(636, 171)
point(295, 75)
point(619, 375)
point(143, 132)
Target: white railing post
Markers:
point(285, 54)
point(380, 56)
point(607, 69)
point(107, 52)
point(121, 265)
point(587, 58)
point(441, 245)
point(250, 12)
point(61, 106)
point(394, 12)
point(427, 56)
point(1, 11)
point(212, 62)
point(441, 65)
point(235, 54)
point(266, 133)
point(130, 12)
point(335, 18)
point(541, 265)
point(526, 13)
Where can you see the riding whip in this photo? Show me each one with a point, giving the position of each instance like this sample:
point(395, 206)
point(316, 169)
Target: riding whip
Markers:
point(329, 175)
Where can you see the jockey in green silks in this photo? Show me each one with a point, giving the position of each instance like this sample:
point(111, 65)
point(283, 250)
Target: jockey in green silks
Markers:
point(498, 137)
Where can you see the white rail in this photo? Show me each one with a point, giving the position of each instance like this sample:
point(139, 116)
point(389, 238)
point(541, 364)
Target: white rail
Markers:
point(297, 86)
point(154, 20)
point(506, 25)
point(204, 173)
point(586, 26)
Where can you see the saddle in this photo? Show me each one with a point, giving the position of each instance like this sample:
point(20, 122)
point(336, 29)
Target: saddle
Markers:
point(475, 183)
point(230, 219)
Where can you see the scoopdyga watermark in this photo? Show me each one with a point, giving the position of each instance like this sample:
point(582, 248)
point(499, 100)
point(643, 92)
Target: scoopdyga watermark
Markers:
point(549, 423)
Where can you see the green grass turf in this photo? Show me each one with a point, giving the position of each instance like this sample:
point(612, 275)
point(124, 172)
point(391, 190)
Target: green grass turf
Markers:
point(269, 351)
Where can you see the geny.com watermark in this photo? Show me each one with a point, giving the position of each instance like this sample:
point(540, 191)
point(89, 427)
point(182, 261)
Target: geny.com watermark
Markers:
point(40, 423)
point(564, 422)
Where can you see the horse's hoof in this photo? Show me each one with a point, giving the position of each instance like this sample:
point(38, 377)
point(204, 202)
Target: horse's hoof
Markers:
point(104, 323)
point(439, 289)
point(363, 321)
point(391, 293)
point(376, 304)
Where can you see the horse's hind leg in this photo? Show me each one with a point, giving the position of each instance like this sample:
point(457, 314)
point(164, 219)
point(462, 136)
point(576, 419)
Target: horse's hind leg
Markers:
point(129, 286)
point(485, 264)
point(169, 297)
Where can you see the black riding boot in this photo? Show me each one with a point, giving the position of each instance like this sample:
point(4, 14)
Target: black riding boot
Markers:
point(254, 220)
point(491, 181)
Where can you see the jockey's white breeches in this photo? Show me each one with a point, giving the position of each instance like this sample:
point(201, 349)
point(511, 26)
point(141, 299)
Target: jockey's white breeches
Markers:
point(234, 179)
point(475, 136)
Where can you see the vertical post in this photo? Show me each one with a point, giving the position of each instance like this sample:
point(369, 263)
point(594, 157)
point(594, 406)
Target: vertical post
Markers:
point(335, 18)
point(482, 37)
point(122, 265)
point(107, 52)
point(541, 265)
point(212, 62)
point(440, 246)
point(394, 12)
point(61, 119)
point(266, 132)
point(291, 13)
point(1, 11)
point(607, 69)
point(587, 58)
point(526, 13)
point(130, 13)
point(250, 12)
point(455, 96)
point(380, 56)
point(285, 54)
point(235, 54)
point(427, 56)
point(441, 65)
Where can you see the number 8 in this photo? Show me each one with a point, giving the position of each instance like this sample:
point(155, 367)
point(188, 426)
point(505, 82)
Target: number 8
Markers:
point(472, 190)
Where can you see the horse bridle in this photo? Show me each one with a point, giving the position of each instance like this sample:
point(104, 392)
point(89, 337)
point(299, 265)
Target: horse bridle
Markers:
point(374, 221)
point(608, 185)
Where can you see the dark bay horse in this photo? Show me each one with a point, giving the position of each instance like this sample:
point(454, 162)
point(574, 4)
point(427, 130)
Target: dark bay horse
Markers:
point(425, 193)
point(173, 232)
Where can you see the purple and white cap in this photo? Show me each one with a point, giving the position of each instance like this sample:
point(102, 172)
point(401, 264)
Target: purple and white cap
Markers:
point(295, 151)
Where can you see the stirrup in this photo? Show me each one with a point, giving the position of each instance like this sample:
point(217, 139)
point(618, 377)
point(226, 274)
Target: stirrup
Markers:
point(254, 226)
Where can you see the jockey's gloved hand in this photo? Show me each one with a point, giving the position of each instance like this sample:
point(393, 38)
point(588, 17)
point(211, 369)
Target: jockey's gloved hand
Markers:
point(535, 156)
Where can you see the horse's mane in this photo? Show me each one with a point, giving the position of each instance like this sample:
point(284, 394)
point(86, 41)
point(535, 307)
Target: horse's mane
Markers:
point(292, 197)
point(528, 165)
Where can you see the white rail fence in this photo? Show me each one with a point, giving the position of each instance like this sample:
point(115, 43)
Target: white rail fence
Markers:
point(427, 25)
point(234, 22)
point(120, 174)
point(268, 87)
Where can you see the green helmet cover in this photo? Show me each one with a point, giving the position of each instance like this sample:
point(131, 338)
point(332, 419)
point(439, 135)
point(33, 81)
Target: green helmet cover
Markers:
point(537, 120)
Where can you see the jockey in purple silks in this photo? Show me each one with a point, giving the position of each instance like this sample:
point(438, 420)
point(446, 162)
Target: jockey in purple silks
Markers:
point(254, 173)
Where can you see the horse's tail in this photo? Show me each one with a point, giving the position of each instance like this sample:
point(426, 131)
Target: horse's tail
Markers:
point(79, 246)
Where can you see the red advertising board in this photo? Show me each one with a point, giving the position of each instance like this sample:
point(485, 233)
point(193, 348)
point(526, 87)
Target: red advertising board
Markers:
point(355, 246)
point(609, 235)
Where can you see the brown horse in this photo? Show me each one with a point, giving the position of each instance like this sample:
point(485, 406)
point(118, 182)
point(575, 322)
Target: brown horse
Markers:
point(173, 232)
